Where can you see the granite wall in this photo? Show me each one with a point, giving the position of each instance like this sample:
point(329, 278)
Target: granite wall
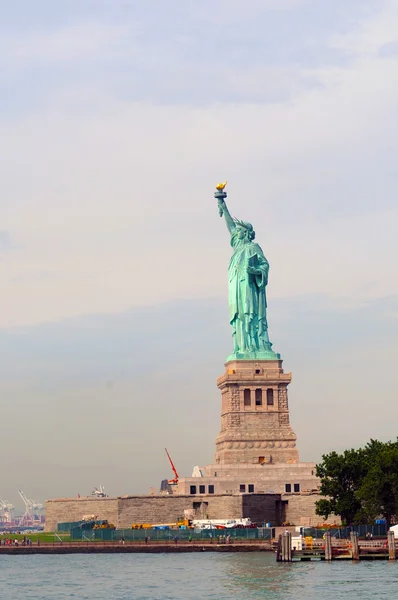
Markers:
point(124, 511)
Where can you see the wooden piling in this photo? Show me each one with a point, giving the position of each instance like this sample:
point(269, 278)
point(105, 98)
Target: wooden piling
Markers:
point(286, 547)
point(354, 545)
point(283, 547)
point(289, 546)
point(279, 549)
point(328, 546)
point(391, 545)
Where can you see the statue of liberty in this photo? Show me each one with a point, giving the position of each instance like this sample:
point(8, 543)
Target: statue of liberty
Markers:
point(247, 281)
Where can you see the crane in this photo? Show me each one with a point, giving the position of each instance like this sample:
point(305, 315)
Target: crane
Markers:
point(100, 493)
point(175, 480)
point(30, 507)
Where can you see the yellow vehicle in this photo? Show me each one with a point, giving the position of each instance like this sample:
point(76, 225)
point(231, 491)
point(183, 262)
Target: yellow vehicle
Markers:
point(104, 525)
point(184, 523)
point(181, 522)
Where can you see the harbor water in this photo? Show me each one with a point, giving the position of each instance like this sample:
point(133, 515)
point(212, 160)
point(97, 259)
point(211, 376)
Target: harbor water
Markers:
point(199, 576)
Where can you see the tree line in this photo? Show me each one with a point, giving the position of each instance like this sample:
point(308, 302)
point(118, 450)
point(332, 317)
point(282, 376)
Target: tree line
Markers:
point(360, 485)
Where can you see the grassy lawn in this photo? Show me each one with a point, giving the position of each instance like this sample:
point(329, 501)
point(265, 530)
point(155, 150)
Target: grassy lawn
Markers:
point(34, 536)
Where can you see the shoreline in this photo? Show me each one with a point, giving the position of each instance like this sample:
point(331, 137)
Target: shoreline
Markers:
point(128, 548)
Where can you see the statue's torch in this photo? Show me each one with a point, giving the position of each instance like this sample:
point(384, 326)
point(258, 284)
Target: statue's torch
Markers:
point(220, 196)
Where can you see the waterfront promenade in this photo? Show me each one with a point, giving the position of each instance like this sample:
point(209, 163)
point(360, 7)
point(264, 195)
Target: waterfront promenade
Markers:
point(152, 547)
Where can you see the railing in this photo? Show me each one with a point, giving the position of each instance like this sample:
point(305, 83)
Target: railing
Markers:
point(168, 535)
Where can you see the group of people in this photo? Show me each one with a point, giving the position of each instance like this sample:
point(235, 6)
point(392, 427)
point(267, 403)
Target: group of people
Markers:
point(221, 539)
point(26, 541)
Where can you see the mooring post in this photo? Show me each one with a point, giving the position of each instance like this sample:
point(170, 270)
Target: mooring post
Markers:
point(283, 547)
point(354, 545)
point(328, 546)
point(391, 545)
point(287, 547)
point(279, 549)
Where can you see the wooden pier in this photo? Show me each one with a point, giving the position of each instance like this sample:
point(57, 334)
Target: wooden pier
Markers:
point(291, 550)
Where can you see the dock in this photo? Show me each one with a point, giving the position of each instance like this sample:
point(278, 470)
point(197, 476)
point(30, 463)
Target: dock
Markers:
point(286, 548)
point(291, 549)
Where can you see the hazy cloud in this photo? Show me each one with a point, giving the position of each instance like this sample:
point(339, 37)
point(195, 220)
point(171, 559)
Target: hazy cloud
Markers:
point(5, 241)
point(389, 50)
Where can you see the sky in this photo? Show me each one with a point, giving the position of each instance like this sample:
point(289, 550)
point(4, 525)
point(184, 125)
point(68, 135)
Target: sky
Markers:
point(117, 119)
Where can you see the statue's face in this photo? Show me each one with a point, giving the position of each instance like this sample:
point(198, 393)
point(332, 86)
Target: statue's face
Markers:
point(241, 232)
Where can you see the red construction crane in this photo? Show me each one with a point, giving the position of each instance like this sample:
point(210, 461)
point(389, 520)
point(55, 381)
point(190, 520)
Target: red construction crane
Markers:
point(175, 480)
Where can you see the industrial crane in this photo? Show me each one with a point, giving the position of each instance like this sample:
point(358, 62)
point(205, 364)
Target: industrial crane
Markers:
point(175, 480)
point(100, 493)
point(30, 507)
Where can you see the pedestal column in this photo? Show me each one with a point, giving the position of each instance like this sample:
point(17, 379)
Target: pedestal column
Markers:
point(255, 425)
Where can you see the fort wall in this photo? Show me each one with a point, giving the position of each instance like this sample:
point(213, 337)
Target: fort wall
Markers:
point(63, 510)
point(124, 511)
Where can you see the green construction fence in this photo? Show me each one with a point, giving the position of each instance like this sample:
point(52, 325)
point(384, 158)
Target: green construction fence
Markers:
point(167, 535)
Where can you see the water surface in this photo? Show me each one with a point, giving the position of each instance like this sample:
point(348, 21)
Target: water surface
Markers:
point(204, 576)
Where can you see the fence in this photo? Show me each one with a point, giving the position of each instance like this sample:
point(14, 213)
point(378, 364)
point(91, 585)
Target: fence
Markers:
point(168, 535)
point(265, 533)
point(67, 527)
point(379, 530)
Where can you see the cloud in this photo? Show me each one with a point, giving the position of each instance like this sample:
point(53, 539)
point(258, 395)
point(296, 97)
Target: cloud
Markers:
point(111, 204)
point(389, 50)
point(371, 35)
point(190, 54)
point(69, 44)
point(5, 241)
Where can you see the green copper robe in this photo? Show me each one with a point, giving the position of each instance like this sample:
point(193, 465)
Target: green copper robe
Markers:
point(247, 298)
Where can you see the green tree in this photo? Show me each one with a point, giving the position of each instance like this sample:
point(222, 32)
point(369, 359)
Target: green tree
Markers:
point(341, 476)
point(378, 492)
point(360, 485)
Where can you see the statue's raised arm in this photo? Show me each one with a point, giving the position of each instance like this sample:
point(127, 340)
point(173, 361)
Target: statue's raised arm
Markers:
point(220, 195)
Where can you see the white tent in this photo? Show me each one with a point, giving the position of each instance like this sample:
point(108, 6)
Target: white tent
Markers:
point(394, 528)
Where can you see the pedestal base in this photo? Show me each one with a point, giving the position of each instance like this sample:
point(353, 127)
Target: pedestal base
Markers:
point(255, 426)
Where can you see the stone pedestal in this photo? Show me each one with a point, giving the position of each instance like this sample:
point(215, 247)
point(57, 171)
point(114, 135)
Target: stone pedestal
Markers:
point(255, 426)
